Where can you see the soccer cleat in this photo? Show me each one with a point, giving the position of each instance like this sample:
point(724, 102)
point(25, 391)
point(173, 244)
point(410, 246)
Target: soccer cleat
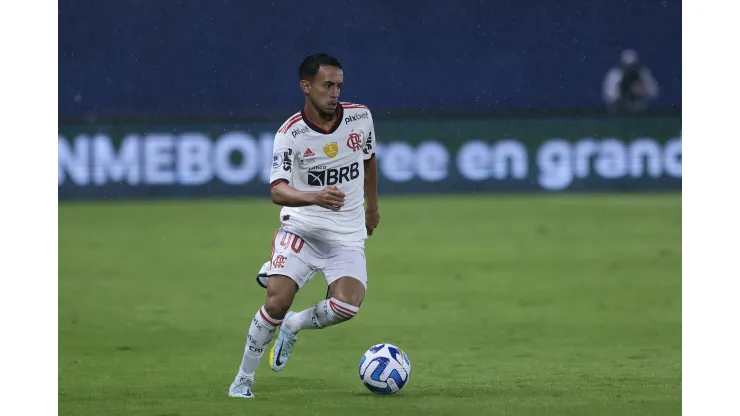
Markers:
point(241, 388)
point(283, 347)
point(262, 275)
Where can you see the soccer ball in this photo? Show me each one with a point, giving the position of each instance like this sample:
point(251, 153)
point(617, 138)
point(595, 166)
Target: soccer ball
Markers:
point(385, 369)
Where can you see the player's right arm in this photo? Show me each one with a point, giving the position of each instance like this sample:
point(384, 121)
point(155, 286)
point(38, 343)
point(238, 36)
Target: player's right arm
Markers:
point(282, 193)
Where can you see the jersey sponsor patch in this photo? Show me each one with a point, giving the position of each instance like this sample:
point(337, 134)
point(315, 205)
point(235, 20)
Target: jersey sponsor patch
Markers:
point(368, 144)
point(277, 160)
point(331, 149)
point(355, 117)
point(324, 177)
point(299, 130)
point(288, 160)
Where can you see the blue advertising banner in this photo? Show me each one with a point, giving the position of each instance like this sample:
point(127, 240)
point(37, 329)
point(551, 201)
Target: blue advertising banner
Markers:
point(414, 156)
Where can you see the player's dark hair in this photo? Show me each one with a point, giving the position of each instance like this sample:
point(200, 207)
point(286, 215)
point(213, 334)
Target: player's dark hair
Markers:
point(310, 65)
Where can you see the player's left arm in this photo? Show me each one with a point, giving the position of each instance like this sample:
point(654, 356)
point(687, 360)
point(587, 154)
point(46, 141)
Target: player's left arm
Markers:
point(372, 215)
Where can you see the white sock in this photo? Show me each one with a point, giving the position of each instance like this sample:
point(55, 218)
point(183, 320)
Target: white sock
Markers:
point(326, 313)
point(261, 331)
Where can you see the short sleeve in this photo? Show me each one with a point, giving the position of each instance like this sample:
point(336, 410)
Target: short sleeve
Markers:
point(283, 156)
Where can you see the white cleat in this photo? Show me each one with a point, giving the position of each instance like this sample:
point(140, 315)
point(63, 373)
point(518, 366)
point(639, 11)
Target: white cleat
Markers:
point(283, 347)
point(241, 388)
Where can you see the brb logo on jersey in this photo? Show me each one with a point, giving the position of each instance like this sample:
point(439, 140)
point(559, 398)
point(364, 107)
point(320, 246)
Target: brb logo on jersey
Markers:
point(320, 176)
point(354, 141)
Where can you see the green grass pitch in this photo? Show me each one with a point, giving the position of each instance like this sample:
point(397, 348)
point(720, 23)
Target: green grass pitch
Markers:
point(506, 305)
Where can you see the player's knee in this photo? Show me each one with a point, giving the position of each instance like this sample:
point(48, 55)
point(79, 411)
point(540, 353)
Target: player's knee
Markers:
point(281, 291)
point(348, 290)
point(278, 304)
point(277, 307)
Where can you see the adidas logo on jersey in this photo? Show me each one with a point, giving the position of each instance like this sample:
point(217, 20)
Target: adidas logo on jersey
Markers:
point(308, 153)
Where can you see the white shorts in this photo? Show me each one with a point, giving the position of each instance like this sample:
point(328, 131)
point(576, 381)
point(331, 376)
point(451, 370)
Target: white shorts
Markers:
point(299, 259)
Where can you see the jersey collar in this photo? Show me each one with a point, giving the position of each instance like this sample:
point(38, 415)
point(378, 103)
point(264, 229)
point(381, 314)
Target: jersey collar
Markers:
point(334, 126)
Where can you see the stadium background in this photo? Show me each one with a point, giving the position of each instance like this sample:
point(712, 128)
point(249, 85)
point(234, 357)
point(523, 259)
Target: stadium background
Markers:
point(552, 223)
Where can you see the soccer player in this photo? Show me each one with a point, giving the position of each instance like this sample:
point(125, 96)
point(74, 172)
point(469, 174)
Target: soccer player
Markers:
point(323, 174)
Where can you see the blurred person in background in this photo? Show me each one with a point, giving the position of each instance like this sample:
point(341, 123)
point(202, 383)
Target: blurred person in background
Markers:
point(629, 87)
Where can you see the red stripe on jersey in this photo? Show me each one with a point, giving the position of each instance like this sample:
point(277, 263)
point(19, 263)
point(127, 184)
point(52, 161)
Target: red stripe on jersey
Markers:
point(277, 181)
point(282, 128)
point(352, 105)
point(334, 124)
point(272, 251)
point(289, 123)
point(293, 117)
point(267, 319)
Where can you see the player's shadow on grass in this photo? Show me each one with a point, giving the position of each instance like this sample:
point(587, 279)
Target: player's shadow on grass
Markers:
point(407, 394)
point(426, 392)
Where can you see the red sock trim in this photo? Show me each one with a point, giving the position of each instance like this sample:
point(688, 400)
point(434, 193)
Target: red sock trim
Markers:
point(266, 318)
point(341, 310)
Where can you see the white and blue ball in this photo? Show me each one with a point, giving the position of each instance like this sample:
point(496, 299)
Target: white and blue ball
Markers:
point(385, 369)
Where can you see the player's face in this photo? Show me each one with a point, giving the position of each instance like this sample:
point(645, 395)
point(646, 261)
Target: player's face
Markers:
point(323, 90)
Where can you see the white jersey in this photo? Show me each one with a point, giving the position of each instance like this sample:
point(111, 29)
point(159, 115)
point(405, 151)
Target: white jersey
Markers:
point(310, 158)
